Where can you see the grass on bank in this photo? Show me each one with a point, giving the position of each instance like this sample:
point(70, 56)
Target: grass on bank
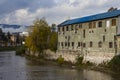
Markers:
point(9, 48)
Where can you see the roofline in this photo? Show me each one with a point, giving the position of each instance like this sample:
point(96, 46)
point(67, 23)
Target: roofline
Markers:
point(85, 22)
point(90, 18)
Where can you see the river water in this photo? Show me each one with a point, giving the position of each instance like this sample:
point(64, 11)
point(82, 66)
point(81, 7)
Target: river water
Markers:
point(14, 67)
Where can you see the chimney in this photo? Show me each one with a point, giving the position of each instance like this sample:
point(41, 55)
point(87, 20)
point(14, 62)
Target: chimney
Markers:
point(112, 9)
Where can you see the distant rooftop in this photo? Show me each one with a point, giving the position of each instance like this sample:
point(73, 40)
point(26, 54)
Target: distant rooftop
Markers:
point(109, 14)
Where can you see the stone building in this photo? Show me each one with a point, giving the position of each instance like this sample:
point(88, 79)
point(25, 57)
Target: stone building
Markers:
point(95, 37)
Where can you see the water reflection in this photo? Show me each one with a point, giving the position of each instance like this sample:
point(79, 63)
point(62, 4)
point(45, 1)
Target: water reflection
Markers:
point(18, 68)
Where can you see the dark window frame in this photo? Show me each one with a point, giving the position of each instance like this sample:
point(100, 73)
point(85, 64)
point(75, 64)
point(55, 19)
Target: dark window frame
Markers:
point(62, 44)
point(110, 44)
point(80, 26)
point(91, 44)
point(84, 45)
point(104, 38)
point(63, 29)
point(84, 33)
point(90, 25)
point(100, 24)
point(94, 24)
point(113, 22)
point(67, 28)
point(100, 44)
point(79, 44)
point(72, 44)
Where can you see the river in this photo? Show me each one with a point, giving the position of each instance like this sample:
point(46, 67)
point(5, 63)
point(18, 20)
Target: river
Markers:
point(14, 67)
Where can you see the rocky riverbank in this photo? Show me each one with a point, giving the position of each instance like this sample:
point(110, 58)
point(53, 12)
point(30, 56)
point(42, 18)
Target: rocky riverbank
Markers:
point(70, 65)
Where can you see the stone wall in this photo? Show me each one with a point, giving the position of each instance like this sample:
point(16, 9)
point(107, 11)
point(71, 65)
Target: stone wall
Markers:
point(98, 57)
point(95, 57)
point(67, 55)
point(70, 56)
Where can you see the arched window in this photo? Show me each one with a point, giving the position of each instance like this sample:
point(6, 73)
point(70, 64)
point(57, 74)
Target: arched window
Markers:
point(100, 44)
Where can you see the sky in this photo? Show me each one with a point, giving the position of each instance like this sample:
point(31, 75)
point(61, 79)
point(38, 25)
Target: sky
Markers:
point(24, 12)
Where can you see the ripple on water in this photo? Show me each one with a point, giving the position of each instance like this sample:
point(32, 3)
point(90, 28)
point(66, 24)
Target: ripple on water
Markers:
point(14, 67)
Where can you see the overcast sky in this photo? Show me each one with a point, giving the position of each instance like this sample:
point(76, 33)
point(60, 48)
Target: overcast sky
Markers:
point(23, 12)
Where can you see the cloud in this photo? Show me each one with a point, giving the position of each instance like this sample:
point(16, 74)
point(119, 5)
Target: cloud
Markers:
point(24, 12)
point(11, 29)
point(7, 6)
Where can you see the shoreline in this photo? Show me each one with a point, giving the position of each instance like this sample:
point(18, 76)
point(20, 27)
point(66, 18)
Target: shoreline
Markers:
point(70, 65)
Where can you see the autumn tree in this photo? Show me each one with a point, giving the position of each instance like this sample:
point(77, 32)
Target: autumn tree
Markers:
point(39, 36)
point(53, 41)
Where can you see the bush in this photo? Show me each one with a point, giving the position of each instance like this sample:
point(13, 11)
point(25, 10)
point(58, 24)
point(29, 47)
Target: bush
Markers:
point(79, 60)
point(21, 50)
point(60, 60)
point(114, 64)
point(88, 63)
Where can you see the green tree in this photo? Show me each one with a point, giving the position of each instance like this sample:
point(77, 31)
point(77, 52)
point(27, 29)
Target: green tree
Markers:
point(53, 41)
point(39, 37)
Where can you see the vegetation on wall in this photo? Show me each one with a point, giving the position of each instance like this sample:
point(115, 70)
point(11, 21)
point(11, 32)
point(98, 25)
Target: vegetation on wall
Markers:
point(60, 60)
point(114, 64)
point(79, 60)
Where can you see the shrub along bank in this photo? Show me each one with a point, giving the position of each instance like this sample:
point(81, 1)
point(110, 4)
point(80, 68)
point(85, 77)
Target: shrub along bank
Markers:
point(114, 64)
point(21, 50)
point(10, 48)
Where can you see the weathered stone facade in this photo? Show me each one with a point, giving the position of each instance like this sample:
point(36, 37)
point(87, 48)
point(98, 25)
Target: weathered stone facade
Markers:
point(95, 40)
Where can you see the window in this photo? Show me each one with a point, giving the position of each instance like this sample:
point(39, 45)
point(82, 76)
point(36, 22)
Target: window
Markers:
point(108, 23)
point(65, 37)
point(100, 24)
point(71, 27)
point(68, 44)
point(105, 30)
point(80, 26)
point(100, 44)
point(78, 44)
point(91, 44)
point(62, 44)
point(113, 22)
point(68, 38)
point(72, 44)
point(65, 43)
point(90, 25)
point(110, 45)
point(83, 33)
point(103, 38)
point(66, 28)
point(94, 24)
point(63, 29)
point(84, 45)
point(76, 28)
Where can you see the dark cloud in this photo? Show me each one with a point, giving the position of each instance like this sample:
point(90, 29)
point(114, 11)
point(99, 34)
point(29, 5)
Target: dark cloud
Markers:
point(56, 11)
point(7, 6)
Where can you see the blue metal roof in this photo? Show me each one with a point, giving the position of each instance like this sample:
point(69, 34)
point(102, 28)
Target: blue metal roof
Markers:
point(91, 18)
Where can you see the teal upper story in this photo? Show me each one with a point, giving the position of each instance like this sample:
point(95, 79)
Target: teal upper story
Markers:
point(100, 16)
